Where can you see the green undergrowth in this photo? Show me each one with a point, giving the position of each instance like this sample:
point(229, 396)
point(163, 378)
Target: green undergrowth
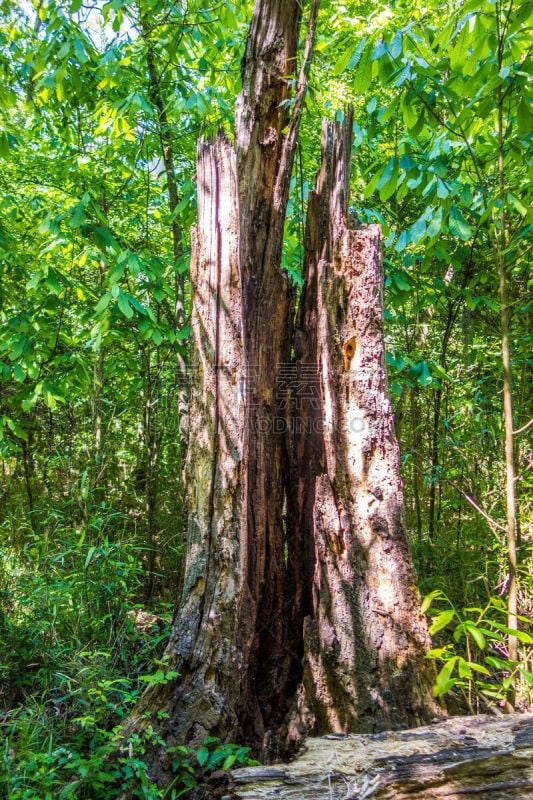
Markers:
point(76, 651)
point(472, 653)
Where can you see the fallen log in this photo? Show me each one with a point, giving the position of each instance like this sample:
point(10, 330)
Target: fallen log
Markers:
point(461, 758)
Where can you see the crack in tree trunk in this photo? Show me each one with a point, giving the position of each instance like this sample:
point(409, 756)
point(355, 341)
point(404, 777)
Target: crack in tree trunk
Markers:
point(328, 594)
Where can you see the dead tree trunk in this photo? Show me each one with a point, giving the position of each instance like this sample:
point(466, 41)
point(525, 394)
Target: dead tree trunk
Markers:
point(203, 645)
point(464, 758)
point(365, 638)
point(341, 561)
point(266, 133)
point(227, 640)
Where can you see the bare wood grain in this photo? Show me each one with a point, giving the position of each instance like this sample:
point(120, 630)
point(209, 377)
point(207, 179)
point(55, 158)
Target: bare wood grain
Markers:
point(483, 757)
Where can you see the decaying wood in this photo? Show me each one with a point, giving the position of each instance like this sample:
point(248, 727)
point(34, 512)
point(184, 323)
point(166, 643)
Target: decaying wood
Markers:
point(227, 636)
point(365, 638)
point(463, 758)
point(321, 597)
point(202, 645)
point(266, 130)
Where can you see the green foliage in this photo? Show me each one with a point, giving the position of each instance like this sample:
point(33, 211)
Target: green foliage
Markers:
point(94, 259)
point(72, 667)
point(217, 755)
point(475, 661)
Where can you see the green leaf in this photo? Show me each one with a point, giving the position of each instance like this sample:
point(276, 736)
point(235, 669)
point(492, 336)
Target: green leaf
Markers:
point(202, 755)
point(79, 50)
point(105, 239)
point(527, 675)
point(389, 179)
point(435, 225)
point(124, 305)
point(16, 429)
point(423, 375)
point(442, 189)
point(429, 598)
point(497, 663)
point(459, 52)
point(522, 636)
point(229, 761)
point(402, 242)
point(478, 668)
point(458, 225)
point(444, 681)
point(417, 231)
point(77, 216)
point(441, 620)
point(102, 303)
point(463, 668)
point(18, 373)
point(135, 303)
point(395, 47)
point(475, 633)
point(184, 333)
point(343, 61)
point(520, 207)
point(134, 265)
point(52, 394)
point(90, 554)
point(4, 145)
point(401, 283)
point(53, 283)
point(363, 74)
point(524, 118)
point(411, 115)
point(371, 185)
point(44, 227)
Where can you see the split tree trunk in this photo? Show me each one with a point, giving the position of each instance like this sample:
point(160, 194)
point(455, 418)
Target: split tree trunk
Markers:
point(365, 638)
point(334, 580)
point(227, 640)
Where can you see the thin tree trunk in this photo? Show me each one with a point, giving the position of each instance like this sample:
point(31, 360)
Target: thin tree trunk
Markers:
point(98, 460)
point(435, 430)
point(148, 470)
point(27, 461)
point(512, 590)
point(416, 458)
point(167, 151)
point(365, 640)
point(500, 245)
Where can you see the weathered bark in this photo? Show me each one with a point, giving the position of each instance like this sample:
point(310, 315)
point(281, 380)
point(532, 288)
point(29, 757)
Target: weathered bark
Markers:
point(227, 639)
point(265, 155)
point(250, 579)
point(203, 645)
point(465, 757)
point(365, 640)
